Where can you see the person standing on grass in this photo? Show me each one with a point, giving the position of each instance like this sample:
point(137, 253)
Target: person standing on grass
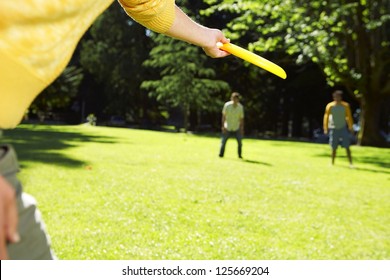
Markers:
point(37, 40)
point(232, 123)
point(338, 124)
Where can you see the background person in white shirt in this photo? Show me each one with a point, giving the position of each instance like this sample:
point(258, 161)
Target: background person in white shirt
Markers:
point(232, 123)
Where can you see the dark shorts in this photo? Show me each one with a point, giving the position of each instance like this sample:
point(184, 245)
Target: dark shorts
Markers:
point(339, 137)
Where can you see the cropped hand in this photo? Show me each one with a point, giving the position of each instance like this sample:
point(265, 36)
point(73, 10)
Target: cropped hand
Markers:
point(215, 36)
point(8, 217)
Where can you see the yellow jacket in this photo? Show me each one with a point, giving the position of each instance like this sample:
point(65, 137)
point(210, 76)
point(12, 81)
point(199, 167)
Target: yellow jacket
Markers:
point(38, 37)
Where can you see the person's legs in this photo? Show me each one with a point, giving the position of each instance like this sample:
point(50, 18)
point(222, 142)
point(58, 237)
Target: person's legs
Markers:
point(349, 156)
point(239, 143)
point(34, 243)
point(224, 138)
point(333, 155)
point(346, 143)
point(333, 142)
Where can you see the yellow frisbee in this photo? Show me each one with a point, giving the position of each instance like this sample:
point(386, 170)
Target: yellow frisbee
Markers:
point(253, 58)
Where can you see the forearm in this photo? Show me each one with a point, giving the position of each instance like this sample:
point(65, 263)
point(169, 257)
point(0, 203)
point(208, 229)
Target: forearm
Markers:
point(325, 123)
point(349, 119)
point(350, 125)
point(223, 121)
point(185, 29)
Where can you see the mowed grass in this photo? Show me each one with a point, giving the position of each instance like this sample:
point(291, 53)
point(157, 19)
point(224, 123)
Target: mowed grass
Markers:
point(114, 193)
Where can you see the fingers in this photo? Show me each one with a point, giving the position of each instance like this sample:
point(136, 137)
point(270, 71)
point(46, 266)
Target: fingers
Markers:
point(224, 40)
point(8, 217)
point(211, 49)
point(215, 52)
point(3, 240)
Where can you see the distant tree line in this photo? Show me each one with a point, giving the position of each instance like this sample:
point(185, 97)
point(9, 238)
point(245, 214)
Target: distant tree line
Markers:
point(121, 69)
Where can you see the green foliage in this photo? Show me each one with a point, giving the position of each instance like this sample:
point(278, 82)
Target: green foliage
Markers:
point(113, 53)
point(184, 80)
point(333, 33)
point(349, 40)
point(60, 93)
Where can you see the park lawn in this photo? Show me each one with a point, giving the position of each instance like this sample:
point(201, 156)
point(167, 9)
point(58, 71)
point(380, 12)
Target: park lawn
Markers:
point(116, 193)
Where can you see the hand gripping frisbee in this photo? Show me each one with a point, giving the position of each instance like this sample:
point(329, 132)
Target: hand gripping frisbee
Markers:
point(253, 58)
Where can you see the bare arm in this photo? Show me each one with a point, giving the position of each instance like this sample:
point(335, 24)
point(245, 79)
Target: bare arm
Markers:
point(185, 29)
point(349, 118)
point(326, 119)
point(164, 16)
point(242, 126)
point(223, 123)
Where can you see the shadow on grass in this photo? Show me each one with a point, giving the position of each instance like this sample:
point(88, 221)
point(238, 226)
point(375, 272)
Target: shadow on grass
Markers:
point(380, 159)
point(371, 170)
point(256, 162)
point(45, 145)
point(250, 161)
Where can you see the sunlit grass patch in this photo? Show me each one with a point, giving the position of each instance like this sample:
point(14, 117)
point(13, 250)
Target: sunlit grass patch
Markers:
point(115, 193)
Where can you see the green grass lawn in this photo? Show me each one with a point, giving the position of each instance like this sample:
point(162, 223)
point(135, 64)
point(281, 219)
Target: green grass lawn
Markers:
point(112, 193)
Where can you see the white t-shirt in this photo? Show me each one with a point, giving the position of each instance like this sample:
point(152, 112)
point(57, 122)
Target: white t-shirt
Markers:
point(233, 115)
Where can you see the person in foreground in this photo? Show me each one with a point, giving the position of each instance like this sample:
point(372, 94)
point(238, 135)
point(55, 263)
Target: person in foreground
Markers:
point(37, 40)
point(338, 124)
point(232, 123)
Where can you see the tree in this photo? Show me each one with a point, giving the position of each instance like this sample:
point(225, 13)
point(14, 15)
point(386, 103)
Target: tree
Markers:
point(59, 94)
point(184, 80)
point(348, 39)
point(113, 52)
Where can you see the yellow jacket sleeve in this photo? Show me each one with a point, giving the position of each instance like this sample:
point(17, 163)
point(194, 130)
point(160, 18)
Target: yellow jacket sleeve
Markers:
point(37, 40)
point(157, 15)
point(348, 116)
point(38, 37)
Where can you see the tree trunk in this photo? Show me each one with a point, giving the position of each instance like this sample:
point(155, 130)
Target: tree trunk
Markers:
point(369, 134)
point(198, 119)
point(186, 111)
